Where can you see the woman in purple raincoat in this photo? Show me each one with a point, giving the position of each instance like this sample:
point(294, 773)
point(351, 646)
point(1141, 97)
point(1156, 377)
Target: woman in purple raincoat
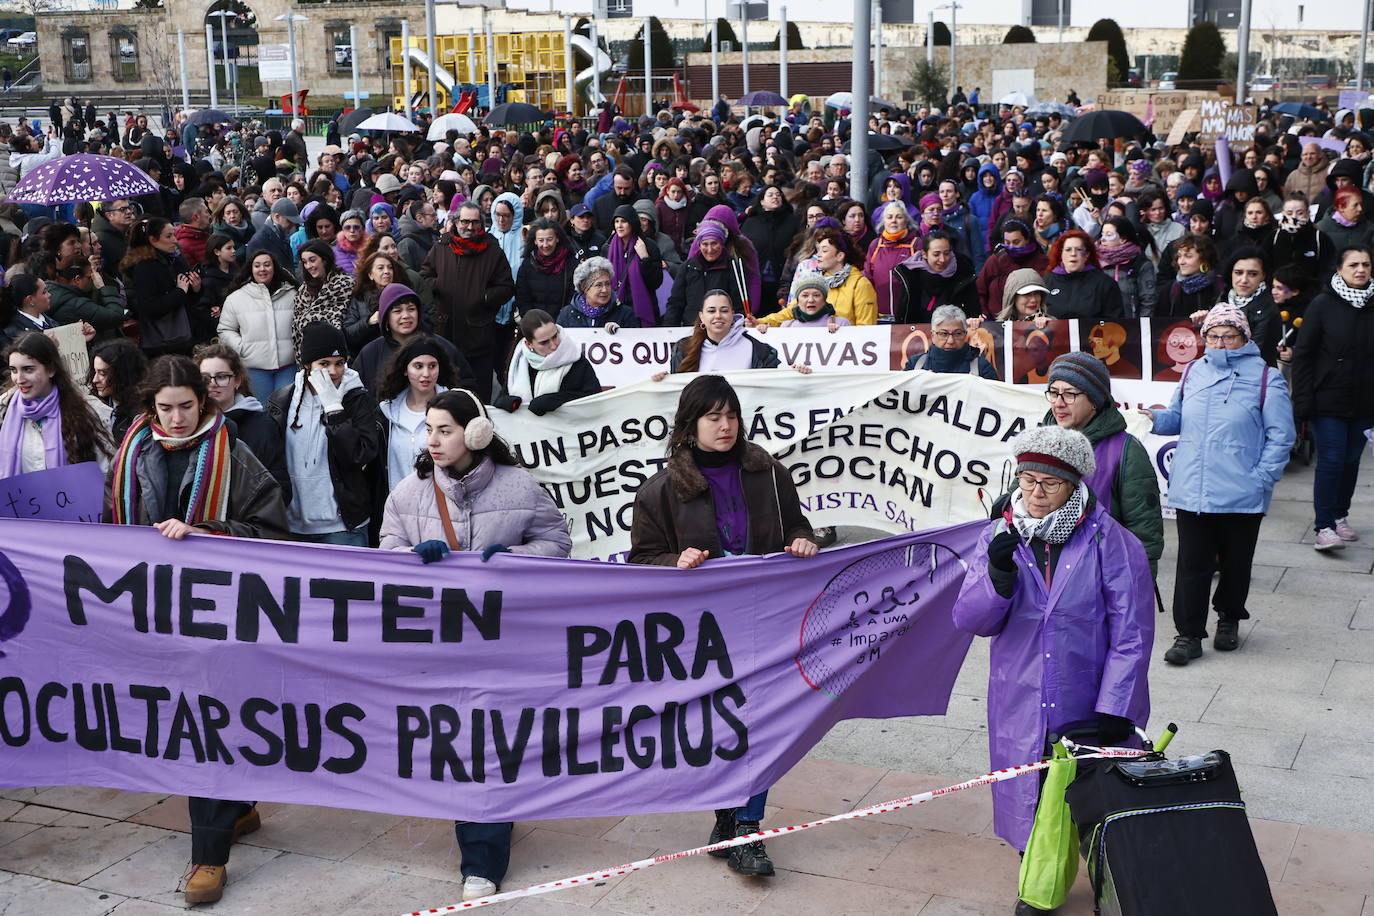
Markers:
point(1065, 592)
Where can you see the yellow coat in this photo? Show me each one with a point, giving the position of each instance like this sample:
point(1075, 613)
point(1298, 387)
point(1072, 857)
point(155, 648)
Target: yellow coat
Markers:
point(855, 300)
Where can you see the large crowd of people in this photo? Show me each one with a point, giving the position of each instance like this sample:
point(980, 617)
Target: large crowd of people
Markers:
point(331, 334)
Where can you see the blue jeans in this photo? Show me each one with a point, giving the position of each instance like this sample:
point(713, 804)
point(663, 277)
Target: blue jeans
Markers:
point(752, 812)
point(1340, 443)
point(355, 538)
point(266, 381)
point(484, 849)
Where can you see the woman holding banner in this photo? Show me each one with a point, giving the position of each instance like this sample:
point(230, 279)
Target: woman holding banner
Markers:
point(719, 495)
point(1071, 657)
point(45, 420)
point(467, 481)
point(179, 470)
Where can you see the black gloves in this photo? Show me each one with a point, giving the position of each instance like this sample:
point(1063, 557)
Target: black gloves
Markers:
point(1001, 563)
point(1113, 730)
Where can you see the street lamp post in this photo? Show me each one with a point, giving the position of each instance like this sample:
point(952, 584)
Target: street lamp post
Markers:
point(405, 68)
point(181, 60)
point(291, 19)
point(431, 45)
point(210, 63)
point(953, 42)
point(353, 58)
point(230, 77)
point(648, 70)
point(782, 52)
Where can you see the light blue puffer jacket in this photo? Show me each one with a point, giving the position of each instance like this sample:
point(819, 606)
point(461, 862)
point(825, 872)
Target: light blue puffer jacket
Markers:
point(1230, 451)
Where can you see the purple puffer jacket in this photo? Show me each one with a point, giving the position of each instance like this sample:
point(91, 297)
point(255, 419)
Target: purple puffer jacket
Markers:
point(1059, 657)
point(491, 504)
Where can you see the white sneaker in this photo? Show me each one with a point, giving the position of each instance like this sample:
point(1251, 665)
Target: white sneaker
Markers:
point(475, 888)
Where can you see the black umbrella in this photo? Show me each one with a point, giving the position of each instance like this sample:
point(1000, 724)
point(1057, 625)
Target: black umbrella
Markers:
point(875, 103)
point(515, 113)
point(349, 122)
point(883, 143)
point(210, 116)
point(1098, 125)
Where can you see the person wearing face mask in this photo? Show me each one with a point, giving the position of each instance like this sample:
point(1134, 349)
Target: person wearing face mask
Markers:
point(1346, 223)
point(1053, 570)
point(333, 432)
point(1297, 241)
point(1333, 389)
point(401, 317)
point(1018, 251)
point(1122, 257)
point(933, 276)
point(547, 369)
point(1234, 423)
point(1089, 214)
point(1078, 287)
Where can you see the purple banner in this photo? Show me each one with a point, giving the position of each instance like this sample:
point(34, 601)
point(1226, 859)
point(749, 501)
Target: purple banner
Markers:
point(517, 689)
point(74, 493)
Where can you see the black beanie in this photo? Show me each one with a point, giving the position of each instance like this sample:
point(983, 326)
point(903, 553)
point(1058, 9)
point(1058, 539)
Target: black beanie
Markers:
point(320, 339)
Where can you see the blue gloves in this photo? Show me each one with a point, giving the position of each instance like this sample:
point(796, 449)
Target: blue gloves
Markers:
point(431, 551)
point(493, 550)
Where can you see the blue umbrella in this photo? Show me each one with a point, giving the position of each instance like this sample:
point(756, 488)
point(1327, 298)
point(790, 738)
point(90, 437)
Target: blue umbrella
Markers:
point(761, 97)
point(1300, 110)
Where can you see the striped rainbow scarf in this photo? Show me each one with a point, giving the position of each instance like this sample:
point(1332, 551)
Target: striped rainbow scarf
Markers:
point(209, 486)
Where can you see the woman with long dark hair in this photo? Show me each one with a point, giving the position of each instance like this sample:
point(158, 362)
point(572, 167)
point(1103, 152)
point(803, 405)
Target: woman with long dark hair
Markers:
point(231, 388)
point(545, 280)
point(375, 272)
point(255, 321)
point(46, 421)
point(214, 483)
point(325, 291)
point(418, 372)
point(162, 287)
point(468, 492)
point(719, 495)
point(117, 370)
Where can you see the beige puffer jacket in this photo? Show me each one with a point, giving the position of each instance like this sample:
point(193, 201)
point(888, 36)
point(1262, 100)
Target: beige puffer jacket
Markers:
point(257, 323)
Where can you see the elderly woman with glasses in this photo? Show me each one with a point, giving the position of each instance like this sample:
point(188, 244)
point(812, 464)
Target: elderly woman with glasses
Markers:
point(1234, 423)
point(950, 351)
point(594, 304)
point(1064, 592)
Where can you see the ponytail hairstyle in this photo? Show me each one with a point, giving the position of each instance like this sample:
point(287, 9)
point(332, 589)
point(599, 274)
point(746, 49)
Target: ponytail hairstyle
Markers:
point(691, 350)
point(85, 436)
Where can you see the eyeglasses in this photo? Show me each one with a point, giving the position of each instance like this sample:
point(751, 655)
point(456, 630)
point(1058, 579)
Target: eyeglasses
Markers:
point(599, 284)
point(1222, 339)
point(1068, 395)
point(469, 222)
point(124, 209)
point(219, 379)
point(950, 335)
point(1048, 487)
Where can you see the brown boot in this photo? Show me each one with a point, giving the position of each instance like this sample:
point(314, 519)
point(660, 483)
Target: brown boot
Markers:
point(205, 883)
point(247, 824)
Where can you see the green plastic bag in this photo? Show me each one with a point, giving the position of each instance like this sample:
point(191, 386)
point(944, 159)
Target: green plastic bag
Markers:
point(1050, 865)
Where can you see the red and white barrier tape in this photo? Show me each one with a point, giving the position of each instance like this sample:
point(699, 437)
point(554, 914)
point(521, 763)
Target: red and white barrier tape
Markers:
point(593, 877)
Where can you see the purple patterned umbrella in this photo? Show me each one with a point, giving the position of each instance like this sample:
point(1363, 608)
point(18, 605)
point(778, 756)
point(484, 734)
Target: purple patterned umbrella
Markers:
point(76, 178)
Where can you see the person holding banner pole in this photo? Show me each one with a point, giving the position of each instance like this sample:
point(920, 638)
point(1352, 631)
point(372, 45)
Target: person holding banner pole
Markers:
point(1064, 591)
point(180, 470)
point(46, 422)
point(468, 492)
point(719, 495)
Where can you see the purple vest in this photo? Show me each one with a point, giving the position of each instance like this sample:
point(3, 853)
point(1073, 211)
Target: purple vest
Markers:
point(1102, 481)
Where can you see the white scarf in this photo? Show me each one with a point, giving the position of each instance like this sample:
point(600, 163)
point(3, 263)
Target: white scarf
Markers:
point(1242, 302)
point(1356, 297)
point(1058, 526)
point(549, 370)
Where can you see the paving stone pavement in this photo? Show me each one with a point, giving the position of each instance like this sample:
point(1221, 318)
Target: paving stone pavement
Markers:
point(1292, 706)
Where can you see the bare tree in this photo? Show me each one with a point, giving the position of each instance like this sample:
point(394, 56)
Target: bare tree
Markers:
point(163, 66)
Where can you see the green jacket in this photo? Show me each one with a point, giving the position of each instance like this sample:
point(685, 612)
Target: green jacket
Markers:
point(1135, 489)
point(103, 308)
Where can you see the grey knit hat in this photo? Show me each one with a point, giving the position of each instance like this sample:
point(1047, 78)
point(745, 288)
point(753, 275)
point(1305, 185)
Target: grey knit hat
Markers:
point(1085, 372)
point(809, 281)
point(1063, 453)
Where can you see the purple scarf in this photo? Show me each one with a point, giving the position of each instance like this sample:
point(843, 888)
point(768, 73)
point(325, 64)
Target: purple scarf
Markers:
point(590, 312)
point(629, 280)
point(1020, 251)
point(1116, 255)
point(1341, 220)
point(47, 412)
point(918, 262)
point(1196, 283)
point(1063, 272)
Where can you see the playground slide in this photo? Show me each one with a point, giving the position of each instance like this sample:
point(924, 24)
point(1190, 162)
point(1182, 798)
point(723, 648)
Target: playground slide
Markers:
point(441, 76)
point(601, 61)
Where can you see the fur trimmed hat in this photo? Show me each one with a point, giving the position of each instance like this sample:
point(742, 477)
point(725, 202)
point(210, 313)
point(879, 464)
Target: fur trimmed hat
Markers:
point(1063, 453)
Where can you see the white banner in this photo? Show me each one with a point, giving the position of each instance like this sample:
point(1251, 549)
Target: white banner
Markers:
point(274, 62)
point(634, 354)
point(893, 451)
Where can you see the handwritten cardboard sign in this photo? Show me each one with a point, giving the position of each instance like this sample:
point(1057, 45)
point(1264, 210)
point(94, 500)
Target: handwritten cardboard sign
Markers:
point(71, 345)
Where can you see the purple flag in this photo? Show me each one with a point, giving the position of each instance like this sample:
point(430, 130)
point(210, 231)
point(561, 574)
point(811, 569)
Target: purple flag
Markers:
point(517, 689)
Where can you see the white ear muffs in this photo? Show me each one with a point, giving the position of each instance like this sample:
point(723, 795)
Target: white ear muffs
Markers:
point(479, 432)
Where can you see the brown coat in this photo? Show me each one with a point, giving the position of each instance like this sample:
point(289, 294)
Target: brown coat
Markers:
point(673, 510)
point(468, 292)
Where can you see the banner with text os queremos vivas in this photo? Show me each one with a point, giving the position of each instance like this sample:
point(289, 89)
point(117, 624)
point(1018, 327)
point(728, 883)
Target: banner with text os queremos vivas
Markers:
point(516, 689)
point(892, 451)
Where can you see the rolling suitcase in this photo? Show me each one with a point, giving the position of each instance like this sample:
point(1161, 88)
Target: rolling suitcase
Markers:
point(1168, 836)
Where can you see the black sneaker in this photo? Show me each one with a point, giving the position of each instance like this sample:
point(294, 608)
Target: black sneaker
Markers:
point(724, 830)
point(1184, 650)
point(1228, 636)
point(1025, 909)
point(751, 859)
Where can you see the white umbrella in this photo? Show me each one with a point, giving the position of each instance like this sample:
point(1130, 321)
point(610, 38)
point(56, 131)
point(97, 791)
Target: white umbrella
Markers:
point(387, 121)
point(840, 100)
point(459, 122)
point(1017, 99)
